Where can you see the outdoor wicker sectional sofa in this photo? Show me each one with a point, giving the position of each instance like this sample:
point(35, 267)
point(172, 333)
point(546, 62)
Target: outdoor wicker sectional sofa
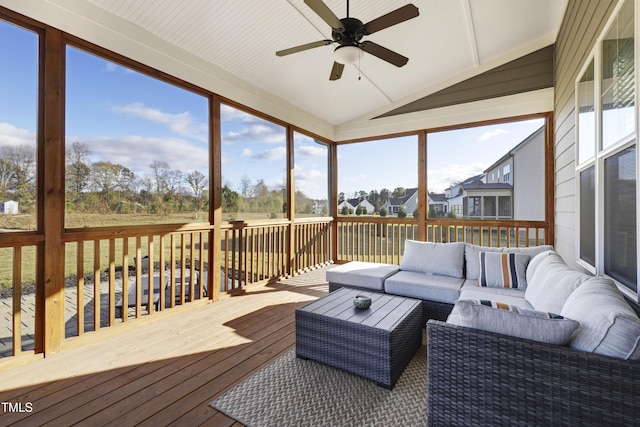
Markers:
point(538, 344)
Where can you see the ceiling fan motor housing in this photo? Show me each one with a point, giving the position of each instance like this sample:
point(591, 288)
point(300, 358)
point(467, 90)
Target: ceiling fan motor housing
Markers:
point(351, 34)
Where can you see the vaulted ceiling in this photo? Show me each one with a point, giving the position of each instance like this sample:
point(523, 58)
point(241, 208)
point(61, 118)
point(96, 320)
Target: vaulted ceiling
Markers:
point(231, 45)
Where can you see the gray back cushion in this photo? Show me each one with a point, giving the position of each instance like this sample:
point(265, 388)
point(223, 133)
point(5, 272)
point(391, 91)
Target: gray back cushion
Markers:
point(446, 259)
point(552, 283)
point(608, 325)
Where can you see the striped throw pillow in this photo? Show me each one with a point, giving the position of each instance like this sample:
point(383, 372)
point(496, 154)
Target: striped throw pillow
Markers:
point(503, 270)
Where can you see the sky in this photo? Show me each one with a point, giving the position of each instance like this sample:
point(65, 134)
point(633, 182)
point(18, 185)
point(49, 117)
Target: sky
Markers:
point(131, 119)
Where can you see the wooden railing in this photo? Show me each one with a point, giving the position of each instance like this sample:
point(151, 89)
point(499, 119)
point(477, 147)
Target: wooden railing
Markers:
point(382, 239)
point(107, 271)
point(128, 274)
point(17, 313)
point(256, 252)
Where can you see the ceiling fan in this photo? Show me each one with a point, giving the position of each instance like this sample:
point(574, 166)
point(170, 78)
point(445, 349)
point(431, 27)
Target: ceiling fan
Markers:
point(348, 33)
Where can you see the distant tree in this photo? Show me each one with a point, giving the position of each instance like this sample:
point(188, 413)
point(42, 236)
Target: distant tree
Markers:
point(362, 195)
point(359, 210)
point(432, 212)
point(398, 192)
point(159, 170)
point(451, 214)
point(401, 212)
point(374, 199)
point(198, 183)
point(383, 211)
point(245, 186)
point(230, 200)
point(344, 210)
point(416, 213)
point(21, 161)
point(384, 196)
point(78, 168)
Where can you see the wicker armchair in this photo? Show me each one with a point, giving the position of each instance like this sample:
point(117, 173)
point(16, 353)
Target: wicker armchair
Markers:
point(482, 378)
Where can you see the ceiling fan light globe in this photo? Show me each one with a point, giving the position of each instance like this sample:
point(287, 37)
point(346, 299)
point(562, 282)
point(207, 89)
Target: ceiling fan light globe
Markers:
point(347, 54)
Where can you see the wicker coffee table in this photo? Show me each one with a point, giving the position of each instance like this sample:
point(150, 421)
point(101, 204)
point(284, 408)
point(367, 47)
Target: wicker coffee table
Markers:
point(376, 343)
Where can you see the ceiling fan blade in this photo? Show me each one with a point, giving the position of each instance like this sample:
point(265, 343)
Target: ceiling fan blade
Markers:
point(325, 13)
point(336, 71)
point(303, 47)
point(392, 18)
point(384, 53)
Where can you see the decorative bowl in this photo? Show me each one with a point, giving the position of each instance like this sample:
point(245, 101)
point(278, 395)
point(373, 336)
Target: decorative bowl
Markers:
point(361, 301)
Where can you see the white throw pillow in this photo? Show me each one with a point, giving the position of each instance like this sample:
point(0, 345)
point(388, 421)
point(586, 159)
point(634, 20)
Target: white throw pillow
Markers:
point(446, 259)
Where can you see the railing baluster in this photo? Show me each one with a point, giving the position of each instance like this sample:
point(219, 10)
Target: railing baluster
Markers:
point(96, 285)
point(17, 301)
point(80, 290)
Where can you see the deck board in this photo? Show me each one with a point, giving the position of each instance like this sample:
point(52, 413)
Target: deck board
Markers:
point(164, 371)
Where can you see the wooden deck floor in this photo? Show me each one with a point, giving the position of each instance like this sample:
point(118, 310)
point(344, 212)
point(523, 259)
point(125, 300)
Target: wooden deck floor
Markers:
point(161, 371)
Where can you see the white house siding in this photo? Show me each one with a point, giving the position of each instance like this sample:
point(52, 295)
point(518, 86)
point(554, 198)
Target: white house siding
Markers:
point(528, 188)
point(583, 22)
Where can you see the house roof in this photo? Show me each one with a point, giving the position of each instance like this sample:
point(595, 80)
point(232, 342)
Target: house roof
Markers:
point(408, 193)
point(485, 186)
point(228, 47)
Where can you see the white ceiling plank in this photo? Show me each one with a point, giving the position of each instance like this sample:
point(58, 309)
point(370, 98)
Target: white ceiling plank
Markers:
point(471, 32)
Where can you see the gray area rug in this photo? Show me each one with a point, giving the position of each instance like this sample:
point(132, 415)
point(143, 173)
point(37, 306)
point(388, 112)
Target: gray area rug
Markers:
point(296, 392)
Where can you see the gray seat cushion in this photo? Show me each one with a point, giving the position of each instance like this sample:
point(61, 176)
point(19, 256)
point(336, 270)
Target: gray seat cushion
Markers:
point(424, 286)
point(515, 299)
point(367, 275)
point(472, 285)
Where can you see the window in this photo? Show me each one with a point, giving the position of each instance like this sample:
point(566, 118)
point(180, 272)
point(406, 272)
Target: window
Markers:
point(18, 127)
point(606, 169)
point(311, 167)
point(587, 190)
point(137, 148)
point(506, 173)
point(503, 162)
point(620, 217)
point(388, 168)
point(254, 166)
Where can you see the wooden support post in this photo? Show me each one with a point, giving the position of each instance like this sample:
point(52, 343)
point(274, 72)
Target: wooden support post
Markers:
point(290, 247)
point(215, 197)
point(333, 199)
point(423, 192)
point(52, 169)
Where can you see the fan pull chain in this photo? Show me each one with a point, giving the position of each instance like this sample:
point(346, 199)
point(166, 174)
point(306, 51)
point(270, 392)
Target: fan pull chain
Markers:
point(359, 67)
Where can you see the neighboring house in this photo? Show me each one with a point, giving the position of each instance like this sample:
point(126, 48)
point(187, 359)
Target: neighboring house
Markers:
point(408, 201)
point(508, 189)
point(346, 203)
point(522, 169)
point(363, 203)
point(456, 195)
point(438, 202)
point(9, 207)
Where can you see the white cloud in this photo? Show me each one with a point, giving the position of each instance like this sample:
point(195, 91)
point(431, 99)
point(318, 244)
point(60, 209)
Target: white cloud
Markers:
point(312, 151)
point(138, 152)
point(246, 152)
point(255, 133)
point(182, 123)
point(273, 154)
point(442, 178)
point(14, 136)
point(490, 134)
